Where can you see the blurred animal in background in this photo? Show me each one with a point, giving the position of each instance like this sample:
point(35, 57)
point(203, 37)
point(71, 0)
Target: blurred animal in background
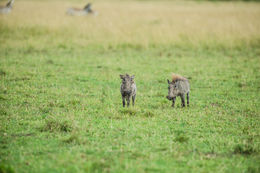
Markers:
point(179, 86)
point(81, 12)
point(7, 8)
point(128, 89)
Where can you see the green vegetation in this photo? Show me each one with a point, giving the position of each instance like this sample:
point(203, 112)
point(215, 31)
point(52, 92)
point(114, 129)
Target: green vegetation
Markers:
point(60, 103)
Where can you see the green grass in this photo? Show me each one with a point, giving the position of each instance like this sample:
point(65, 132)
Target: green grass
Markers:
point(61, 110)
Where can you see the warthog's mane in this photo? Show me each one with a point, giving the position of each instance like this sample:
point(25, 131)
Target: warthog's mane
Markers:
point(176, 77)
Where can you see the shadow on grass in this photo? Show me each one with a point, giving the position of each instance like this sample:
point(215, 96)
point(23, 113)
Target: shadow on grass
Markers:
point(129, 111)
point(134, 112)
point(75, 139)
point(2, 73)
point(181, 139)
point(147, 113)
point(244, 149)
point(6, 168)
point(98, 166)
point(57, 125)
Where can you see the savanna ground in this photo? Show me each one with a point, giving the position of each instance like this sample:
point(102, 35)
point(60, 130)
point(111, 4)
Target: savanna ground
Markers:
point(60, 104)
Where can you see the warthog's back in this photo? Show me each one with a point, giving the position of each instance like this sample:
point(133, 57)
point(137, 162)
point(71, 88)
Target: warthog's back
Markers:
point(134, 89)
point(183, 86)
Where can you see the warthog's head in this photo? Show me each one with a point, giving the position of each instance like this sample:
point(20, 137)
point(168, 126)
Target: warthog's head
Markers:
point(172, 90)
point(127, 81)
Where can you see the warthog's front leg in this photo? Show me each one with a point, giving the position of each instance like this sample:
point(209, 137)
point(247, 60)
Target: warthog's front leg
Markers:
point(123, 98)
point(128, 100)
point(183, 100)
point(133, 100)
point(173, 101)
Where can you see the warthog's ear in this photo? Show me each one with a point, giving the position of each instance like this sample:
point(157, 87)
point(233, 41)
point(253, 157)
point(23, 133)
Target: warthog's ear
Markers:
point(132, 77)
point(121, 76)
point(168, 81)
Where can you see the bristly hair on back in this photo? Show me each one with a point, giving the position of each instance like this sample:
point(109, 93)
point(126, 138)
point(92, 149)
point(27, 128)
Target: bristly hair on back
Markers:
point(176, 77)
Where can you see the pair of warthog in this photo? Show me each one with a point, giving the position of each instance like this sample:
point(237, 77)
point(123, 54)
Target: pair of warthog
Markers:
point(179, 86)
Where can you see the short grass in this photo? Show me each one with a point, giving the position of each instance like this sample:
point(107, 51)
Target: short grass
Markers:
point(60, 104)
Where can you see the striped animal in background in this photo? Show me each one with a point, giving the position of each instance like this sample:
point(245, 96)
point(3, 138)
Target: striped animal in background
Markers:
point(7, 8)
point(81, 12)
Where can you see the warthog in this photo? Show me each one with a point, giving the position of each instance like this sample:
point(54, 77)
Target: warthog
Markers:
point(7, 8)
point(128, 89)
point(178, 87)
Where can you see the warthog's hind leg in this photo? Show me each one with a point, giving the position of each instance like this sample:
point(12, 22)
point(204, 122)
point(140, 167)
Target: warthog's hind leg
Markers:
point(123, 100)
point(128, 101)
point(183, 100)
point(133, 100)
point(188, 99)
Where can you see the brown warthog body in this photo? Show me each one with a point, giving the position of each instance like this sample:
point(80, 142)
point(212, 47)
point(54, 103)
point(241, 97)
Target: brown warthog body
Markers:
point(128, 89)
point(178, 87)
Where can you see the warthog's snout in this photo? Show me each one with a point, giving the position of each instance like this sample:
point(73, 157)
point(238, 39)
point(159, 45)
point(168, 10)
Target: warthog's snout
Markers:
point(127, 92)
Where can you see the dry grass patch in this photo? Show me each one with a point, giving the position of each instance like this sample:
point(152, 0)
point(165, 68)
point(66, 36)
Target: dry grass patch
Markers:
point(142, 23)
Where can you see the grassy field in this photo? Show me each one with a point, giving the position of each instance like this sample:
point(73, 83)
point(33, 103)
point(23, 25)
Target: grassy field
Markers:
point(60, 103)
